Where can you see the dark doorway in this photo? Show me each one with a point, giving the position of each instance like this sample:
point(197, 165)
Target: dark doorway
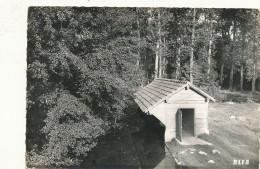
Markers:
point(187, 122)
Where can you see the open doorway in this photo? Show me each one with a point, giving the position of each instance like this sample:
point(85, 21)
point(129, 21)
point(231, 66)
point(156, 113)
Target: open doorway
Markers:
point(184, 123)
point(187, 122)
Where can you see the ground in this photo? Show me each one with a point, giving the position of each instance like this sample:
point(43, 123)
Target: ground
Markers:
point(234, 132)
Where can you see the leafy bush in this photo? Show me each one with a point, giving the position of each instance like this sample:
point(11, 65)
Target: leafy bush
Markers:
point(40, 159)
point(71, 130)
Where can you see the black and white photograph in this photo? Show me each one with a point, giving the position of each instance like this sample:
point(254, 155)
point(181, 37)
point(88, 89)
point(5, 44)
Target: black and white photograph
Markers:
point(140, 88)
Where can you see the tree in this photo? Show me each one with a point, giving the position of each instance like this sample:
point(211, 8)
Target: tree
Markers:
point(243, 17)
point(255, 44)
point(176, 35)
point(232, 55)
point(157, 72)
point(192, 46)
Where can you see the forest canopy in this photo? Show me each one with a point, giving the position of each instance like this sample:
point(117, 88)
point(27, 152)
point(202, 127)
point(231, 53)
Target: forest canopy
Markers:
point(84, 64)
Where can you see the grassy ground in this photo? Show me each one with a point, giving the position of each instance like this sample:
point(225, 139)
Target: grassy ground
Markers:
point(234, 131)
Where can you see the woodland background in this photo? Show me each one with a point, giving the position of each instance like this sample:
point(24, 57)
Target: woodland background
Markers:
point(84, 64)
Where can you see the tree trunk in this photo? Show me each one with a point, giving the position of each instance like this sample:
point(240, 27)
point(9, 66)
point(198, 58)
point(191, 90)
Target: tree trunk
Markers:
point(241, 76)
point(147, 73)
point(160, 42)
point(192, 46)
point(232, 58)
point(138, 62)
point(156, 64)
point(210, 47)
point(163, 58)
point(221, 74)
point(254, 76)
point(241, 63)
point(231, 76)
point(222, 59)
point(139, 36)
point(178, 60)
point(156, 61)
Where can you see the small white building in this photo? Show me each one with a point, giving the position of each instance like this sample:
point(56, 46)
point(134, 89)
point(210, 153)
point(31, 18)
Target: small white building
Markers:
point(179, 105)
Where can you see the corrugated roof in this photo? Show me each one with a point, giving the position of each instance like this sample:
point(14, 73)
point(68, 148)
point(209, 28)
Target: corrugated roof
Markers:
point(158, 90)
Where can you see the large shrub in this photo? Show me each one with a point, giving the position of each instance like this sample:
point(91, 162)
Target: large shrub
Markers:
point(71, 129)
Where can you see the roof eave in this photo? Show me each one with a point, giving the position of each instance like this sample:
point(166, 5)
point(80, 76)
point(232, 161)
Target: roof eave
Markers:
point(201, 92)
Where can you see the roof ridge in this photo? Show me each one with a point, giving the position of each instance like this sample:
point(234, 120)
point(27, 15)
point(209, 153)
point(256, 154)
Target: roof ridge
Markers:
point(172, 80)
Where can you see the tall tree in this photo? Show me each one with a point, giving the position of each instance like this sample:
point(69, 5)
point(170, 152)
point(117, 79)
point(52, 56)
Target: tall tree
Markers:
point(244, 16)
point(159, 45)
point(178, 59)
point(255, 47)
point(232, 56)
point(222, 58)
point(192, 45)
point(242, 61)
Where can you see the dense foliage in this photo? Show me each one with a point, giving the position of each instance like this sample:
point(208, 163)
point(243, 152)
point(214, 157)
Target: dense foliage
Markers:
point(81, 76)
point(84, 64)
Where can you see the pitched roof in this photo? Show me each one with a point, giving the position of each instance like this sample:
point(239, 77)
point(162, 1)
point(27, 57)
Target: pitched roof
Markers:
point(159, 90)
